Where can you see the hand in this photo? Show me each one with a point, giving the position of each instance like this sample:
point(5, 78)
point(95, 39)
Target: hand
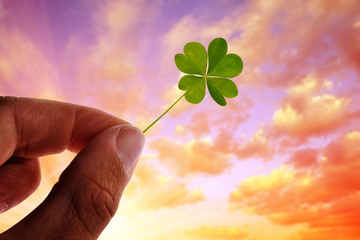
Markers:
point(88, 192)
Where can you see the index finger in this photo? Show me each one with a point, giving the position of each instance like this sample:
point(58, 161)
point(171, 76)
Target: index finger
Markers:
point(31, 128)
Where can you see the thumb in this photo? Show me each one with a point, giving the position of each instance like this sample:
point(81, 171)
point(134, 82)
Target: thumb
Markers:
point(88, 192)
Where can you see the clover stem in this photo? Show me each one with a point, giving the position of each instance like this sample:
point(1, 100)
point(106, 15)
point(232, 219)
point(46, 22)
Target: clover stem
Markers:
point(164, 113)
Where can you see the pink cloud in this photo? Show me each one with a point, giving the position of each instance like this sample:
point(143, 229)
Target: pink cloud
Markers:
point(23, 66)
point(304, 158)
point(198, 156)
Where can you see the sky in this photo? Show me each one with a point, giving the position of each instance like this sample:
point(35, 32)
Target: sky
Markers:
point(279, 162)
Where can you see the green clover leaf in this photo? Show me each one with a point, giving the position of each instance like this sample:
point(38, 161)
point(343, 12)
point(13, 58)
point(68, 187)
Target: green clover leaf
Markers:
point(194, 62)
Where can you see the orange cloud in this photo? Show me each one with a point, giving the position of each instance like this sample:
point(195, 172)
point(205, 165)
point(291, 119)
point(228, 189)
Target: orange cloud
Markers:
point(304, 158)
point(197, 156)
point(306, 112)
point(200, 124)
point(323, 196)
point(320, 114)
point(256, 147)
point(150, 189)
point(269, 184)
point(228, 233)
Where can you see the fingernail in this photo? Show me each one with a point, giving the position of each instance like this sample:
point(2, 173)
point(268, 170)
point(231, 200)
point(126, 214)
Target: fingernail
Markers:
point(3, 207)
point(130, 142)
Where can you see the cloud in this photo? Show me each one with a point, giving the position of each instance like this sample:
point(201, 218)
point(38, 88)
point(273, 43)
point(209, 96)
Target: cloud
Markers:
point(118, 17)
point(170, 96)
point(111, 55)
point(319, 115)
point(321, 196)
point(304, 158)
point(23, 66)
point(306, 111)
point(212, 118)
point(282, 42)
point(105, 69)
point(335, 222)
point(256, 147)
point(187, 29)
point(150, 189)
point(200, 123)
point(187, 158)
point(299, 45)
point(270, 184)
point(225, 232)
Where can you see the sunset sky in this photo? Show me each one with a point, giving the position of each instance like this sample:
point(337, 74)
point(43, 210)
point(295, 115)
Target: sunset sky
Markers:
point(281, 161)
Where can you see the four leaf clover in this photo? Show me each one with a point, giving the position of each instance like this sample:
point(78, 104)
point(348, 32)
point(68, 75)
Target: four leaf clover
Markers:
point(211, 68)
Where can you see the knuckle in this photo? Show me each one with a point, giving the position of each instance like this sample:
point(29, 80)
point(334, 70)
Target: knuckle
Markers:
point(7, 102)
point(7, 99)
